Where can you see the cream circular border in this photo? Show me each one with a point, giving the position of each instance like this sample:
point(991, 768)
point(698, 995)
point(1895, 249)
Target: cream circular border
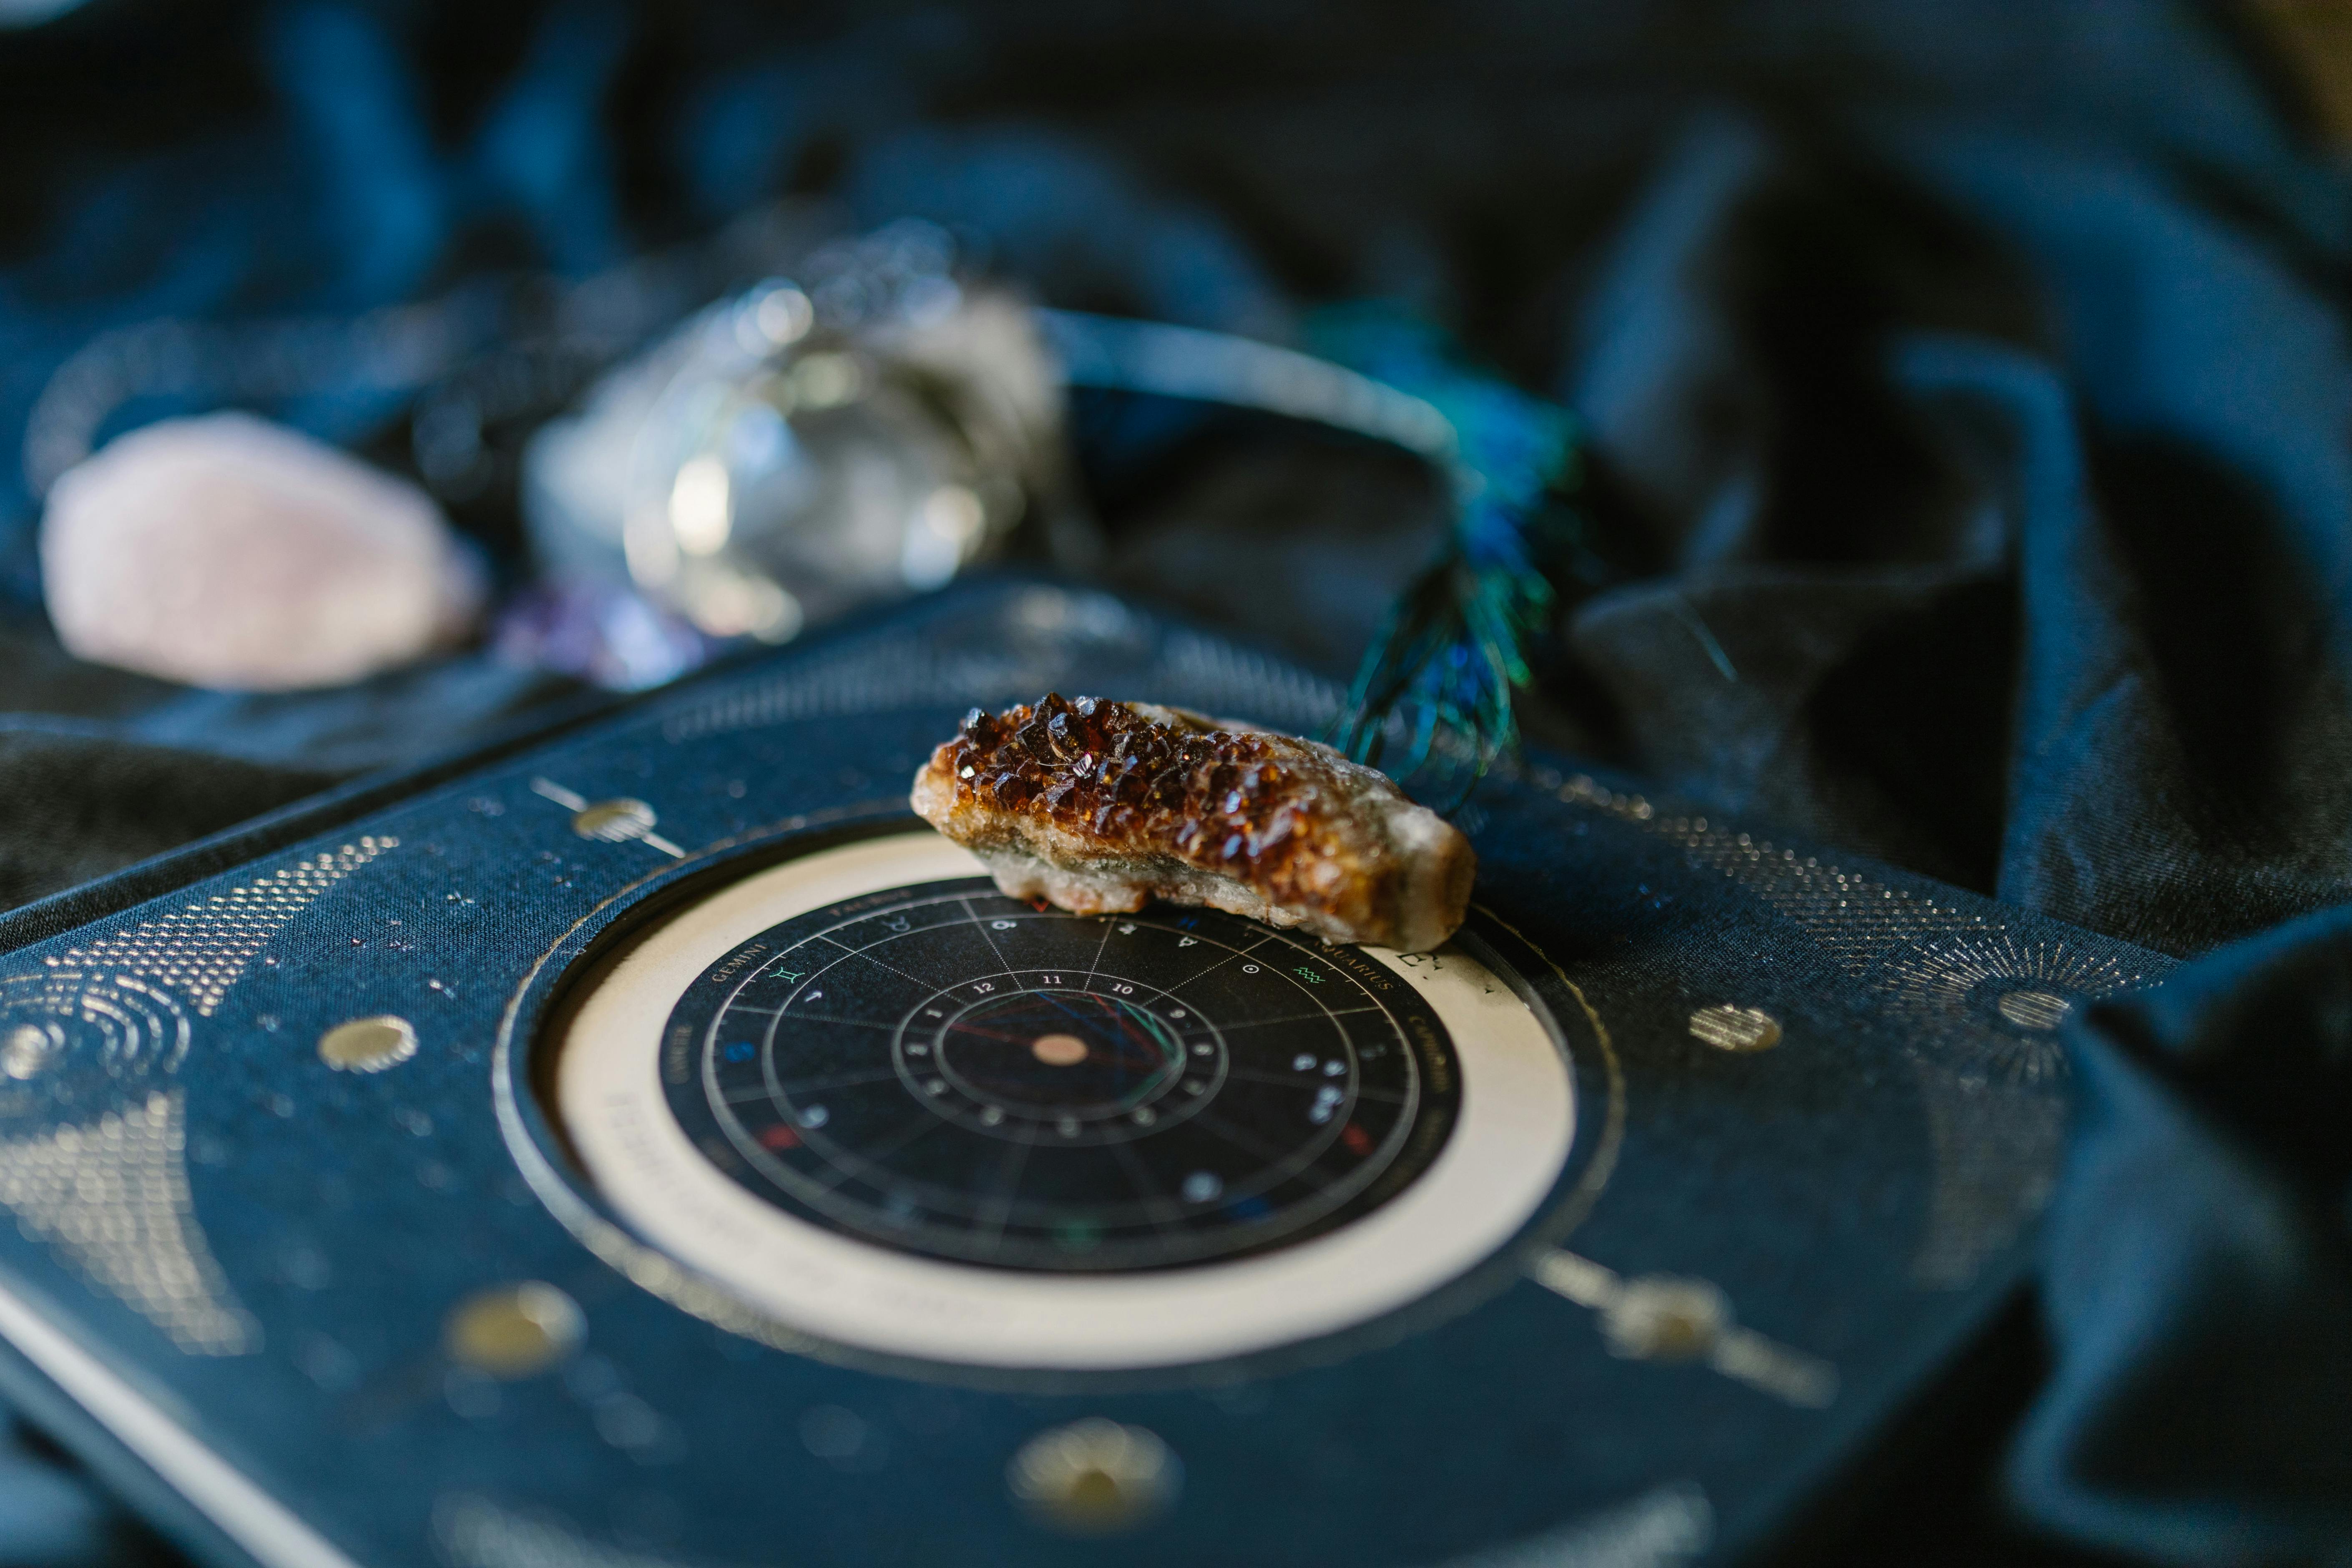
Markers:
point(1517, 1120)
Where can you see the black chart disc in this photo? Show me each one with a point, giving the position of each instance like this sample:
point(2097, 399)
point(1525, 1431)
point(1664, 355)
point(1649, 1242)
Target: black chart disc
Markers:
point(947, 1071)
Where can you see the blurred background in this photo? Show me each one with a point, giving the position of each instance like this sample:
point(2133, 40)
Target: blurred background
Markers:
point(1950, 410)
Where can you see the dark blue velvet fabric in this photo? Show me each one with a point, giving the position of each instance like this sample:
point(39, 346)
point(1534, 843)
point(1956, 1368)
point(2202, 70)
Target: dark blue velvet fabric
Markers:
point(1974, 377)
point(2198, 1279)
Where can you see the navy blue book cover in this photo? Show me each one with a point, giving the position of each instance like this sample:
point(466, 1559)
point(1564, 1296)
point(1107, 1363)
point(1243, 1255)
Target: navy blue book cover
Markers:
point(901, 1222)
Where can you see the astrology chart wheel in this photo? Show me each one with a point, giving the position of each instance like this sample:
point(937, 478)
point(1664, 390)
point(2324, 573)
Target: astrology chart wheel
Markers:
point(880, 1103)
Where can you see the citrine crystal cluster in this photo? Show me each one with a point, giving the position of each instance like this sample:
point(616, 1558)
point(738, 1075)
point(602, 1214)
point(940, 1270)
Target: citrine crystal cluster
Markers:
point(1101, 806)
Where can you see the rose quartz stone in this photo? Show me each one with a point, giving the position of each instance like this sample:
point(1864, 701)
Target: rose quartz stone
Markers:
point(229, 551)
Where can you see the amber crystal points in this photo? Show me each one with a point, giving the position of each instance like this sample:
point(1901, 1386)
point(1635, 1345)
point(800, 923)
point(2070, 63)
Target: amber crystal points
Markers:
point(1101, 806)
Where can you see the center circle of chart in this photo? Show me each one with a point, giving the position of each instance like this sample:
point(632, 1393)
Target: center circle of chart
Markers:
point(953, 1073)
point(1061, 1056)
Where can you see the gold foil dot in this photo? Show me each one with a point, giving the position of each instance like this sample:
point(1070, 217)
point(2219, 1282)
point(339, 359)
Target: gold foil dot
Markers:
point(28, 1048)
point(514, 1331)
point(613, 821)
point(2034, 1009)
point(1732, 1028)
point(1660, 1318)
point(1094, 1477)
point(368, 1044)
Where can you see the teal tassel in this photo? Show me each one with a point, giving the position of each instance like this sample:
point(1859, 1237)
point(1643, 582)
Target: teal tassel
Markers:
point(1445, 666)
point(1453, 652)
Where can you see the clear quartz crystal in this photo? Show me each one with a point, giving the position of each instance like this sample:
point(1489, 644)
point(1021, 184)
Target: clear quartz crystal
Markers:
point(792, 452)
